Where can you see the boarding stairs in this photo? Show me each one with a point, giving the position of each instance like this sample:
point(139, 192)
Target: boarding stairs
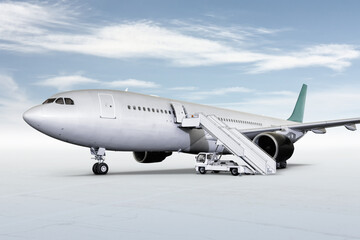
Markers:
point(237, 143)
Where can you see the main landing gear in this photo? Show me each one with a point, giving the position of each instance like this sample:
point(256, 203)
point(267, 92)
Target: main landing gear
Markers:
point(281, 165)
point(99, 168)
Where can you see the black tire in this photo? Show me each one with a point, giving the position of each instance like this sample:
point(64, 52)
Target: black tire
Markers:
point(102, 168)
point(234, 171)
point(283, 164)
point(94, 168)
point(202, 170)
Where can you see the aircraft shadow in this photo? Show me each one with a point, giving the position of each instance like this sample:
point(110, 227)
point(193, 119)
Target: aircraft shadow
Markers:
point(184, 171)
point(296, 165)
point(157, 172)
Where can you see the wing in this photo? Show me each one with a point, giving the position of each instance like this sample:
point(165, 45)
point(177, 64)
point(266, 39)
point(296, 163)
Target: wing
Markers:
point(316, 127)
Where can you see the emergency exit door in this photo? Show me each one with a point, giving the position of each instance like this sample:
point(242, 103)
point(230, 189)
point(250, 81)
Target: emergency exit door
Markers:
point(107, 106)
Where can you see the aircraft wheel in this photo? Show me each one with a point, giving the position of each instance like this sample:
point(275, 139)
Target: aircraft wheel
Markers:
point(94, 168)
point(102, 168)
point(202, 170)
point(234, 171)
point(278, 165)
point(283, 164)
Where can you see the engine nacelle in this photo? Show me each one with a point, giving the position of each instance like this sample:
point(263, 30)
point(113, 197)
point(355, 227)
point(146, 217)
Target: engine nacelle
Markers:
point(276, 145)
point(150, 157)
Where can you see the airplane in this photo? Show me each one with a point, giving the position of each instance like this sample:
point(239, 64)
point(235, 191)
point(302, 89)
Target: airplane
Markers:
point(151, 126)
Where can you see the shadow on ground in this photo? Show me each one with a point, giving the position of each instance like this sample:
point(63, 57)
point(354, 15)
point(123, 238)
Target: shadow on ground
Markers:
point(297, 165)
point(184, 171)
point(157, 172)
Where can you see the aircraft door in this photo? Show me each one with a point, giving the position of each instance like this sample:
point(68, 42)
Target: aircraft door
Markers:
point(179, 110)
point(107, 106)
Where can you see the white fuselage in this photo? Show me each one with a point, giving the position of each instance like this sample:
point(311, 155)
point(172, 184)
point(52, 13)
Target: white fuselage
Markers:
point(125, 121)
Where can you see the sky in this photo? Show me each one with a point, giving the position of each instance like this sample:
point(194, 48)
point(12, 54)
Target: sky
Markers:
point(246, 55)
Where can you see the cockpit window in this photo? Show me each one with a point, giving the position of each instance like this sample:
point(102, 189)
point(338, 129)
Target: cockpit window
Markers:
point(50, 100)
point(69, 101)
point(60, 101)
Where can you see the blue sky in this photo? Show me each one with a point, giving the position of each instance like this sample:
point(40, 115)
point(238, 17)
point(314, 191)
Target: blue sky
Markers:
point(246, 55)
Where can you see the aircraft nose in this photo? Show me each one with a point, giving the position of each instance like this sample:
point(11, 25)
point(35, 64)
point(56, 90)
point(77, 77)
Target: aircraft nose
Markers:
point(33, 116)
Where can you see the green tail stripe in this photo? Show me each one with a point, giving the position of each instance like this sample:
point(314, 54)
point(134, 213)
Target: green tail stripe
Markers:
point(298, 113)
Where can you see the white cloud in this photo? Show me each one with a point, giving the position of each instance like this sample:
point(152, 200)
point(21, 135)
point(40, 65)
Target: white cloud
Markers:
point(276, 106)
point(334, 102)
point(20, 21)
point(278, 93)
point(8, 85)
point(223, 91)
point(198, 95)
point(189, 88)
point(334, 56)
point(68, 82)
point(13, 101)
point(28, 27)
point(239, 34)
point(131, 83)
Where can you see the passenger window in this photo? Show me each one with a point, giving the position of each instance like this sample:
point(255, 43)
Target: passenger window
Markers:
point(134, 107)
point(149, 109)
point(69, 101)
point(60, 101)
point(50, 100)
point(161, 111)
point(165, 111)
point(144, 108)
point(153, 110)
point(129, 107)
point(139, 108)
point(157, 110)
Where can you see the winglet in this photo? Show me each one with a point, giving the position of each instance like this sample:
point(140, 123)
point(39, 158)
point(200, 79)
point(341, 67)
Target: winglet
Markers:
point(298, 113)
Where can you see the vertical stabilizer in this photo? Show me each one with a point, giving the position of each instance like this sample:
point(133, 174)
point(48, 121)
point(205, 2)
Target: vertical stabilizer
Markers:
point(298, 113)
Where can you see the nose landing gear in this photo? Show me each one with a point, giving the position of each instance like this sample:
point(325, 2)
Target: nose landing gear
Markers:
point(99, 168)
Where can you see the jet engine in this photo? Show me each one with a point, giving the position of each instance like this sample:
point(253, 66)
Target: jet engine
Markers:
point(276, 145)
point(151, 157)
